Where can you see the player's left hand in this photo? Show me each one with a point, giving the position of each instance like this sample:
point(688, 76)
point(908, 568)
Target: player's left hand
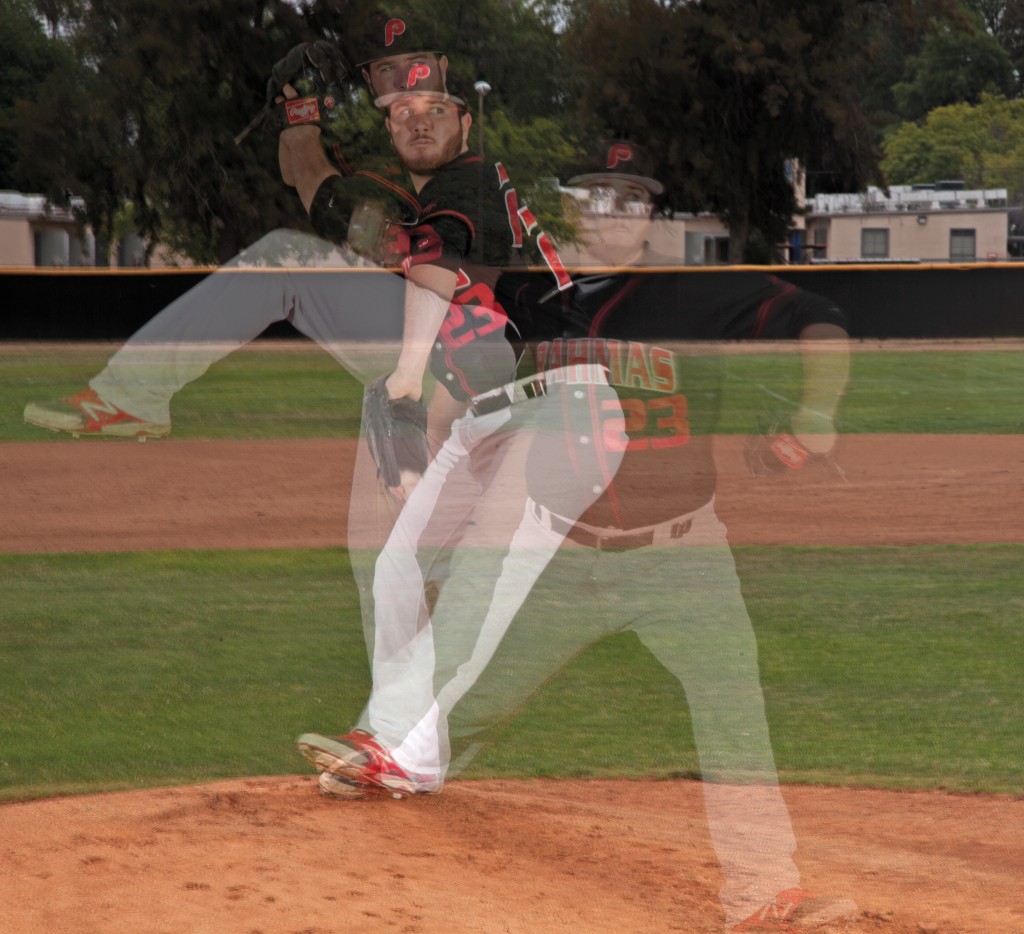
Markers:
point(396, 432)
point(307, 85)
point(780, 446)
point(814, 432)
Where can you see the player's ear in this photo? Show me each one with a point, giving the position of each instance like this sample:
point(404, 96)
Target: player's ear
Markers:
point(467, 122)
point(369, 83)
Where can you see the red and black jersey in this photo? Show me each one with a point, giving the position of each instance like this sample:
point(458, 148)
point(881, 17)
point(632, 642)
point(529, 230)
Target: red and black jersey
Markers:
point(468, 219)
point(659, 335)
point(472, 223)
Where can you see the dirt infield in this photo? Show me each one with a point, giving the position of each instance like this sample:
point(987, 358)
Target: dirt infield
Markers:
point(119, 496)
point(271, 856)
point(489, 857)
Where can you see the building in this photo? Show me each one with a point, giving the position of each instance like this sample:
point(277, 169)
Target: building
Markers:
point(682, 238)
point(944, 223)
point(35, 233)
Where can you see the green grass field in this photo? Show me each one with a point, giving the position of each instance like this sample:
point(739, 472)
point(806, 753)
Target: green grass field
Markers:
point(898, 667)
point(880, 667)
point(297, 390)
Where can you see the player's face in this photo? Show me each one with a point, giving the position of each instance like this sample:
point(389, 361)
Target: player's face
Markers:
point(428, 132)
point(616, 219)
point(422, 70)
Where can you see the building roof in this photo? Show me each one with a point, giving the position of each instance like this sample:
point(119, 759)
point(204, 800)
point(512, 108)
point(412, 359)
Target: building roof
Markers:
point(916, 198)
point(34, 207)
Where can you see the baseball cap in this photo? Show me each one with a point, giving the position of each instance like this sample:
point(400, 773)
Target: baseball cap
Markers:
point(430, 87)
point(620, 158)
point(384, 35)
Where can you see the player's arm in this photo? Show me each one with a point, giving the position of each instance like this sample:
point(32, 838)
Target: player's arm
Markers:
point(431, 271)
point(825, 357)
point(303, 162)
point(429, 291)
point(444, 408)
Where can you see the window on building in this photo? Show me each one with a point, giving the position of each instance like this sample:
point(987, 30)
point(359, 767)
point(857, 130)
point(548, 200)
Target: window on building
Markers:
point(962, 245)
point(818, 247)
point(874, 243)
point(51, 246)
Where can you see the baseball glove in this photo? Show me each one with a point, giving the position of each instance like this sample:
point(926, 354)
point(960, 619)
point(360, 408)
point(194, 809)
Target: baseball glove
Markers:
point(773, 449)
point(396, 430)
point(318, 71)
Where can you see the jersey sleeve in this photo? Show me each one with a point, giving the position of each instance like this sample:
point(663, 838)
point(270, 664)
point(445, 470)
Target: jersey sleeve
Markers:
point(443, 239)
point(359, 210)
point(787, 310)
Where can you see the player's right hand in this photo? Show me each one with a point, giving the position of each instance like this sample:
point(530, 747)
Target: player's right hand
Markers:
point(401, 386)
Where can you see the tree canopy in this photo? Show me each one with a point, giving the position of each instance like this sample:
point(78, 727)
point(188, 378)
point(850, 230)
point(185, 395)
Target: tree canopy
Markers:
point(135, 103)
point(27, 59)
point(1004, 20)
point(727, 93)
point(982, 144)
point(954, 65)
point(148, 110)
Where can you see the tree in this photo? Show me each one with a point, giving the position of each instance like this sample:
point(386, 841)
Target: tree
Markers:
point(60, 15)
point(1004, 19)
point(891, 38)
point(983, 144)
point(954, 65)
point(147, 114)
point(725, 93)
point(155, 91)
point(27, 58)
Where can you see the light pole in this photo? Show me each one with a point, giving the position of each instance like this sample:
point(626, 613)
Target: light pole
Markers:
point(482, 89)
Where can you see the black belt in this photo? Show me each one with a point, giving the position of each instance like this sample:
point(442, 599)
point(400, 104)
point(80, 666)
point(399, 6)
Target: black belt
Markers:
point(521, 390)
point(613, 541)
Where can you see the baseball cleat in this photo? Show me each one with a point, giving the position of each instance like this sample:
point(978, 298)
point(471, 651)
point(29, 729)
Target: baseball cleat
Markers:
point(358, 758)
point(86, 413)
point(335, 786)
point(795, 911)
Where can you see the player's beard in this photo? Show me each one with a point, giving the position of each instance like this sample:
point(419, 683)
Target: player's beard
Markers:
point(431, 161)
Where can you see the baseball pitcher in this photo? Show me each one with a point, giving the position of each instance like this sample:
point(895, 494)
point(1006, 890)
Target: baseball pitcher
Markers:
point(647, 554)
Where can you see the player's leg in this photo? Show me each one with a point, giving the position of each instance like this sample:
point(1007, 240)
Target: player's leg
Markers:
point(395, 615)
point(504, 549)
point(403, 645)
point(356, 315)
point(227, 309)
point(477, 502)
point(696, 624)
point(273, 280)
point(558, 618)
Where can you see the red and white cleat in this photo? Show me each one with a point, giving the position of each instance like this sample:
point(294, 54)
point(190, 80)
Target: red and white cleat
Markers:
point(795, 911)
point(86, 413)
point(358, 758)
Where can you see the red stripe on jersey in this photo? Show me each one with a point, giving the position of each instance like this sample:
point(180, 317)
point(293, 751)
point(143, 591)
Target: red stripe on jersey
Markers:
point(554, 261)
point(512, 211)
point(607, 475)
point(527, 217)
point(769, 305)
point(503, 178)
point(606, 309)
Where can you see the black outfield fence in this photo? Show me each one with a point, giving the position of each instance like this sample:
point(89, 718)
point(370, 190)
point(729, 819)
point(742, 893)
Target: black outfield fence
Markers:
point(898, 301)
